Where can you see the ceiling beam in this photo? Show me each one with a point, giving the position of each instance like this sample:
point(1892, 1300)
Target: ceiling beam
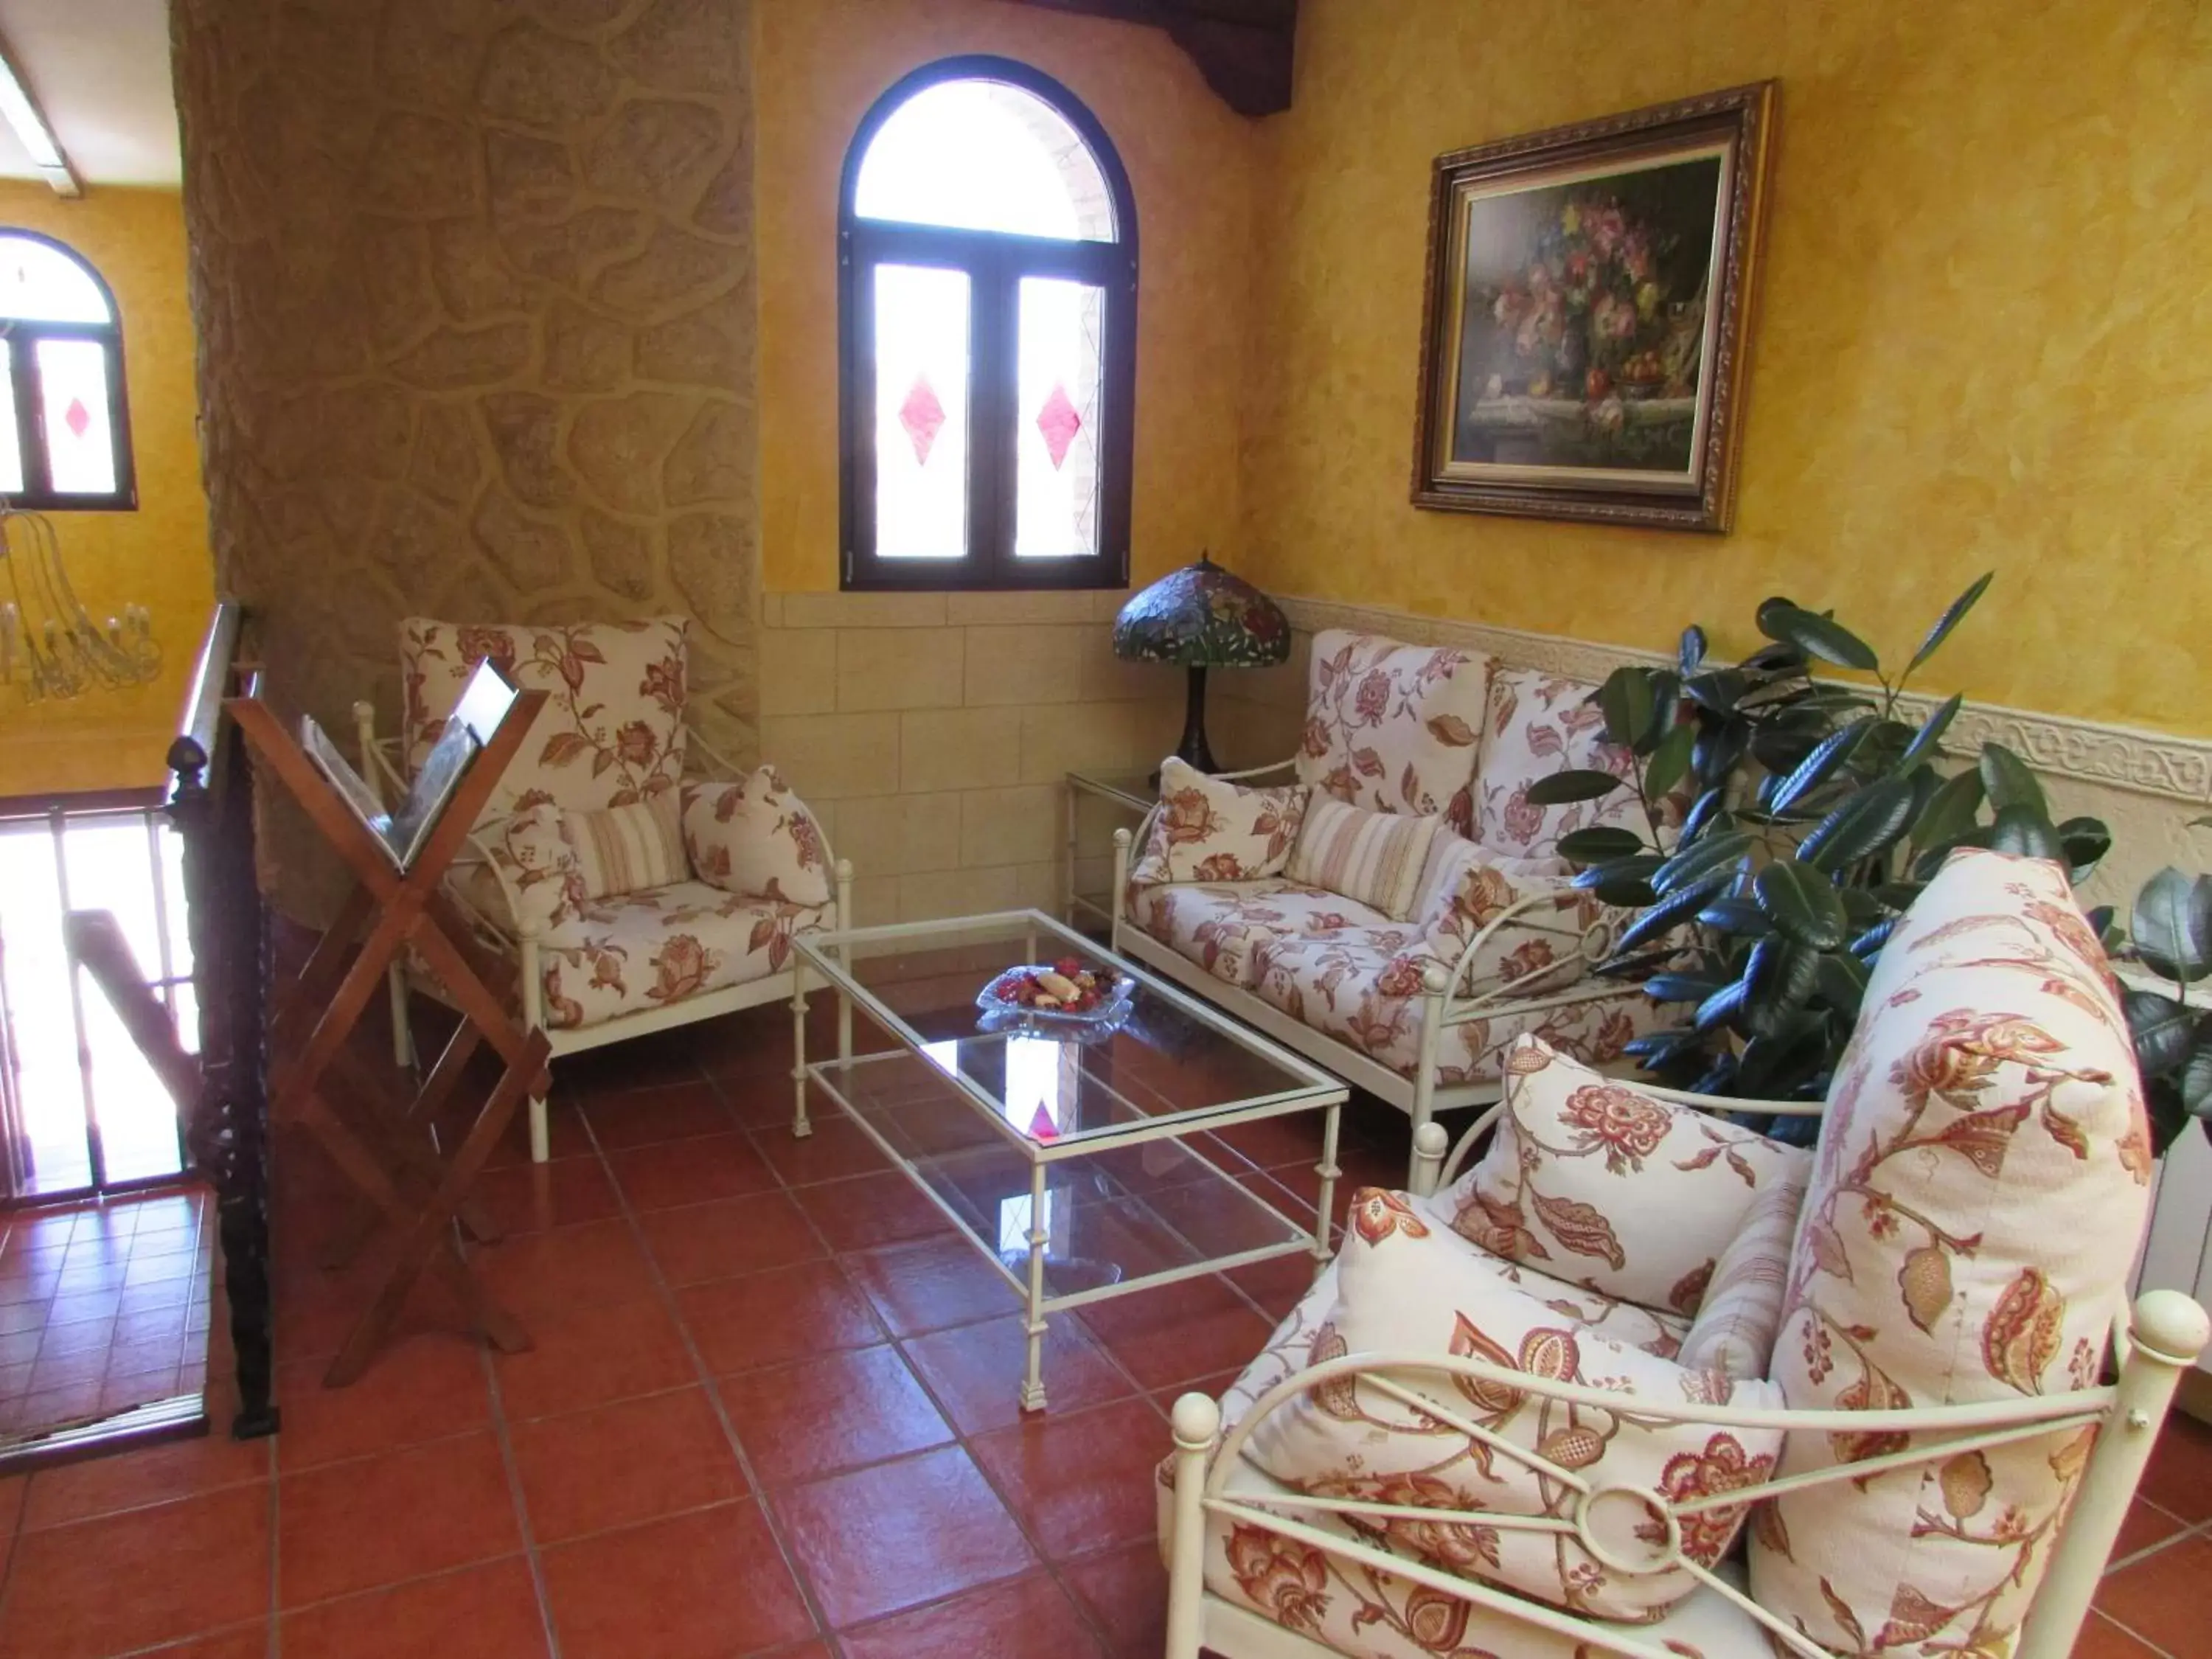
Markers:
point(1242, 47)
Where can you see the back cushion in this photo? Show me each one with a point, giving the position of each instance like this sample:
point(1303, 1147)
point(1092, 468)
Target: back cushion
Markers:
point(1393, 727)
point(612, 731)
point(1983, 1177)
point(1540, 725)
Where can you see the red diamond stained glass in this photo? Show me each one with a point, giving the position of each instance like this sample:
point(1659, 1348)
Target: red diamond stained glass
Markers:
point(77, 417)
point(923, 417)
point(1058, 422)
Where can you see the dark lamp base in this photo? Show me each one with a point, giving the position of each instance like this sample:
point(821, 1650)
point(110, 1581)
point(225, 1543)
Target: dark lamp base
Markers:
point(1194, 750)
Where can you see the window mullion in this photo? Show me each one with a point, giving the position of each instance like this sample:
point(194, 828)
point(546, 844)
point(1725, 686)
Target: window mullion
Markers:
point(30, 427)
point(990, 408)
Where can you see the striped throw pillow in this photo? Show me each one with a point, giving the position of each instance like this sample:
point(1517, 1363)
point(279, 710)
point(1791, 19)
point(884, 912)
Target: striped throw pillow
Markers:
point(1375, 858)
point(627, 849)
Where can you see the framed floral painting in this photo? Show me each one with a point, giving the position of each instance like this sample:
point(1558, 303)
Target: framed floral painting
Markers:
point(1588, 306)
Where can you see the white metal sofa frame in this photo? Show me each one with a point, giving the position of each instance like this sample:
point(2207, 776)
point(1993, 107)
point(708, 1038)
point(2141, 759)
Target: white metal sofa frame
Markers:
point(1444, 1002)
point(379, 764)
point(2154, 1347)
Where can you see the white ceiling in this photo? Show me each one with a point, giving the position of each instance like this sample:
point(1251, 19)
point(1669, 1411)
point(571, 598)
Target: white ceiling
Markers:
point(99, 71)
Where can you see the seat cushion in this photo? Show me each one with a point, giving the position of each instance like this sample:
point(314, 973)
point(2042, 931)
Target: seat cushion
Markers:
point(647, 951)
point(1540, 724)
point(1394, 727)
point(1983, 1179)
point(612, 727)
point(1221, 926)
point(1603, 1185)
point(1406, 1285)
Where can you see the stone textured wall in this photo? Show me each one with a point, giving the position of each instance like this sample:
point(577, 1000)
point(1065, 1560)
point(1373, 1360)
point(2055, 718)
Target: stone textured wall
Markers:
point(474, 286)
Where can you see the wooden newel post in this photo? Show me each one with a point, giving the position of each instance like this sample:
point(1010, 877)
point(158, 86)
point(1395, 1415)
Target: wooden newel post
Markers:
point(226, 1129)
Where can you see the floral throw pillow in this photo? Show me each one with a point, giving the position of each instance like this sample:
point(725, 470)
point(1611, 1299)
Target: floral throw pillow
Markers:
point(1539, 725)
point(1394, 727)
point(756, 836)
point(1594, 1181)
point(1407, 1285)
point(540, 882)
point(1211, 829)
point(1984, 1177)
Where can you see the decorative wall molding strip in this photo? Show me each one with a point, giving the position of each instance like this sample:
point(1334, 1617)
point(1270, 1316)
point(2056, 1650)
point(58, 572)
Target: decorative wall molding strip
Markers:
point(2116, 757)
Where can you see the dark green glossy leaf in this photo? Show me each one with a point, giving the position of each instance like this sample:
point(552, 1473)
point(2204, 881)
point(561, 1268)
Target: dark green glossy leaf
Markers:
point(1636, 866)
point(1670, 761)
point(1869, 945)
point(1950, 813)
point(2172, 926)
point(1708, 812)
point(1898, 895)
point(1626, 701)
point(1562, 787)
point(2162, 1029)
point(1779, 978)
point(1800, 903)
point(2022, 829)
point(1639, 964)
point(2007, 781)
point(2195, 1076)
point(1599, 842)
point(1825, 759)
point(1870, 824)
point(1926, 741)
point(1781, 1064)
point(1842, 981)
point(1625, 893)
point(1719, 751)
point(1736, 915)
point(1950, 619)
point(1817, 636)
point(1879, 751)
point(1672, 910)
point(1690, 654)
point(1925, 865)
point(1722, 1008)
point(1717, 689)
point(1702, 859)
point(2100, 924)
point(1861, 908)
point(2086, 841)
point(1680, 988)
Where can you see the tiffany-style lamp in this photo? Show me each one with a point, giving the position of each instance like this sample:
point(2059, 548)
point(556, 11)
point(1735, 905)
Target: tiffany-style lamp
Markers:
point(1202, 616)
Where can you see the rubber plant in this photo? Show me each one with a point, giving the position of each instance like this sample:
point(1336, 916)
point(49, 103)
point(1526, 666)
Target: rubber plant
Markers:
point(2169, 934)
point(1811, 812)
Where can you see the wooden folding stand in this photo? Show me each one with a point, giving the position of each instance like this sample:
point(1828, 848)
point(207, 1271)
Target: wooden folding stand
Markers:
point(388, 1154)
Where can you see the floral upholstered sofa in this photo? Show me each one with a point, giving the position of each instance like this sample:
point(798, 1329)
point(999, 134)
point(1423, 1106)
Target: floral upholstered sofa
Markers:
point(1641, 1381)
point(1416, 996)
point(630, 896)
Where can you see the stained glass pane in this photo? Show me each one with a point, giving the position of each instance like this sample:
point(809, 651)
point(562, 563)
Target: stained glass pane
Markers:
point(921, 412)
point(39, 283)
point(1056, 432)
point(80, 441)
point(11, 441)
point(984, 155)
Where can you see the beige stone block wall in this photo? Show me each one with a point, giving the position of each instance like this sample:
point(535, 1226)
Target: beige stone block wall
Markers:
point(934, 733)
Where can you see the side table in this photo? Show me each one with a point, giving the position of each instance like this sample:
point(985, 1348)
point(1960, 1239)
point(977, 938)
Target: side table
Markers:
point(1134, 793)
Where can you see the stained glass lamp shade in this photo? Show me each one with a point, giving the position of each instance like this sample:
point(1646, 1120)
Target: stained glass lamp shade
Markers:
point(1199, 617)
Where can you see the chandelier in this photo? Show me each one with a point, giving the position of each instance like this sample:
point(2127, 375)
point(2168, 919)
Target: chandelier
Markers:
point(49, 643)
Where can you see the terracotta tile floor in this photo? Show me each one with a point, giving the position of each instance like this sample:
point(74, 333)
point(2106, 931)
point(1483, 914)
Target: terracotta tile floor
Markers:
point(733, 1437)
point(103, 1306)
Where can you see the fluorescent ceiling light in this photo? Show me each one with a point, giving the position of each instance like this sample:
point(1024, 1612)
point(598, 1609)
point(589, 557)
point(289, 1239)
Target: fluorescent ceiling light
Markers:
point(31, 129)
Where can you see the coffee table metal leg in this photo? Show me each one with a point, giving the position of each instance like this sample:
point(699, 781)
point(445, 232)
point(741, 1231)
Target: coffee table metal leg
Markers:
point(800, 1126)
point(1033, 1379)
point(1068, 890)
point(1328, 1171)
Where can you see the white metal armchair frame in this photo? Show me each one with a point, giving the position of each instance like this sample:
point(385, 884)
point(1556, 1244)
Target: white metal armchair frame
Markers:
point(2161, 1340)
point(1448, 998)
point(380, 764)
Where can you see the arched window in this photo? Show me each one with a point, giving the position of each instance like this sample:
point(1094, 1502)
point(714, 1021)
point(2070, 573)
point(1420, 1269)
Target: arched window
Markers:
point(987, 305)
point(66, 427)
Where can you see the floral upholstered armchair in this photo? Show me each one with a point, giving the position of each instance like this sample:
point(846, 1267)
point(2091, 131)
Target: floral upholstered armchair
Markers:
point(631, 897)
point(1640, 1381)
point(1389, 902)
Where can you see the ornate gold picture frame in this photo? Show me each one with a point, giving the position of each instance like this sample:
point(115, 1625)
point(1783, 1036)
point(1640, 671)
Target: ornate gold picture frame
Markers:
point(1589, 308)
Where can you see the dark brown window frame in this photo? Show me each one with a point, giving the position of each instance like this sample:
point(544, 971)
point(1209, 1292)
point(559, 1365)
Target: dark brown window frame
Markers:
point(995, 262)
point(22, 335)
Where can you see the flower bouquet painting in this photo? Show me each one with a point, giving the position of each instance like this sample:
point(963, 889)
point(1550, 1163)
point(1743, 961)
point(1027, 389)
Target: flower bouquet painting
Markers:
point(1589, 294)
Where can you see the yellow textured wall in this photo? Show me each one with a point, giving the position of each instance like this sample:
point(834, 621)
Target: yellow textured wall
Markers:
point(1984, 337)
point(819, 66)
point(157, 555)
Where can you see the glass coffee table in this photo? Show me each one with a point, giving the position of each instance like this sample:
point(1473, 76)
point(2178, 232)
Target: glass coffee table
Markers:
point(1061, 1151)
